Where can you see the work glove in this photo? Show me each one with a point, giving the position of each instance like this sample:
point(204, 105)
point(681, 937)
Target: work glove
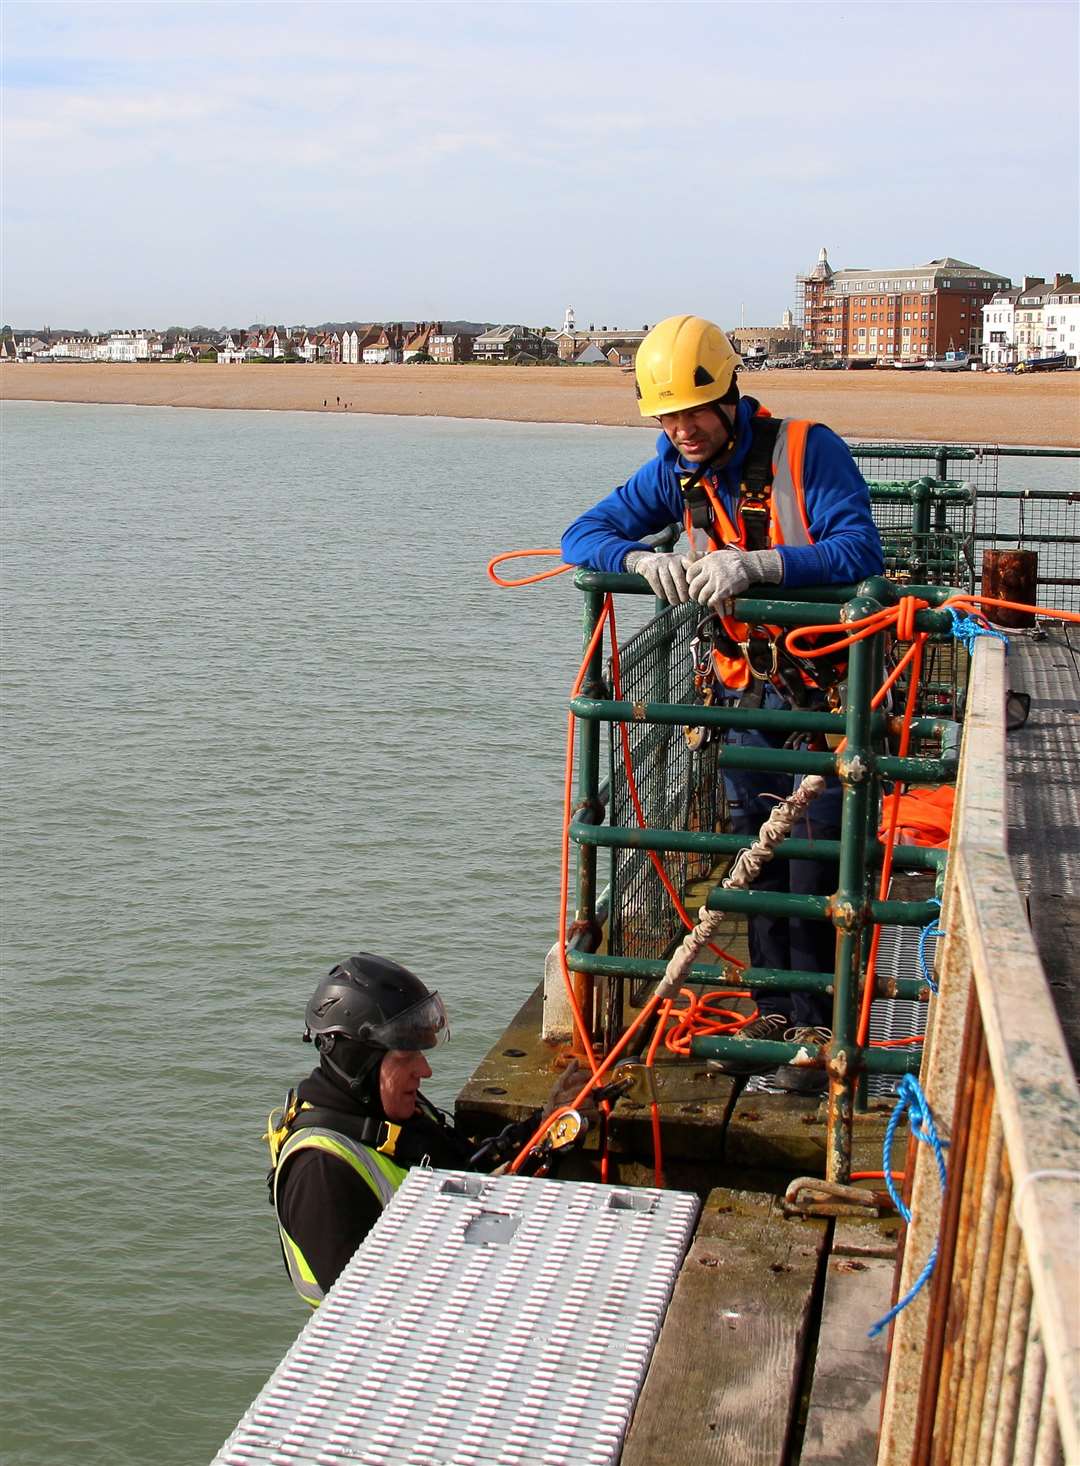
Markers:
point(665, 573)
point(718, 577)
point(569, 1084)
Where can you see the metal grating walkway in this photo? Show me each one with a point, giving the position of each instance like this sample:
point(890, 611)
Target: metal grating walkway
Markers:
point(483, 1320)
point(1044, 810)
point(1044, 760)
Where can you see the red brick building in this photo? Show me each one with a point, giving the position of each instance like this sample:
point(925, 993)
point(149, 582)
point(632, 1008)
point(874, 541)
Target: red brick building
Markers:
point(913, 313)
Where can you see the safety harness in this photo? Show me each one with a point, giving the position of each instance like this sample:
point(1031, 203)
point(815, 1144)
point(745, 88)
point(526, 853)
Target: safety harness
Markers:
point(754, 510)
point(759, 647)
point(404, 1146)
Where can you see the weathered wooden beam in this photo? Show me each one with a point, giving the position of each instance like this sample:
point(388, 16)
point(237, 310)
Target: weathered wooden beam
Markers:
point(845, 1397)
point(724, 1382)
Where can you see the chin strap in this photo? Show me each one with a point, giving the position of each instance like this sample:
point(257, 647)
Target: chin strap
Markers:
point(355, 1084)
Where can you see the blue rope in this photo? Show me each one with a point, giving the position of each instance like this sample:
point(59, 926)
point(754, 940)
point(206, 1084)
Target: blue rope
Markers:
point(968, 629)
point(931, 929)
point(910, 1099)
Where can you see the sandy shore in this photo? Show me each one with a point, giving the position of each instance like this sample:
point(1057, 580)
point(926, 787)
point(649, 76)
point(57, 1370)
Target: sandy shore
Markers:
point(958, 407)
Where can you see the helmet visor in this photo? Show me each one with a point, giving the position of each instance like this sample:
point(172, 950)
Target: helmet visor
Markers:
point(423, 1026)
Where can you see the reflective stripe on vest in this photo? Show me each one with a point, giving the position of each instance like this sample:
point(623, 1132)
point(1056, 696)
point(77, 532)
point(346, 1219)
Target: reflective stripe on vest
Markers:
point(788, 525)
point(380, 1173)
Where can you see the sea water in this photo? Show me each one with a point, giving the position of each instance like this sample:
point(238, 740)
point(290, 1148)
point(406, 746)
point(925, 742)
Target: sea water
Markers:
point(261, 708)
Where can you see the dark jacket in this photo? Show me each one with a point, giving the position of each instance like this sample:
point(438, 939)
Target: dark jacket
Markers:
point(323, 1203)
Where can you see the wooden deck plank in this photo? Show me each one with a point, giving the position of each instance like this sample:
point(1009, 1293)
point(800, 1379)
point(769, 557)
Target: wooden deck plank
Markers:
point(724, 1379)
point(845, 1397)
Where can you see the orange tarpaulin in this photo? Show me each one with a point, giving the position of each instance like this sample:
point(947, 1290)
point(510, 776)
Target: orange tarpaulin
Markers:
point(925, 817)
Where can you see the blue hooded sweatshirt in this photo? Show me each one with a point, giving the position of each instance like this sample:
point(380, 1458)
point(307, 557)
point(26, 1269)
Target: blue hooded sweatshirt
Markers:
point(846, 545)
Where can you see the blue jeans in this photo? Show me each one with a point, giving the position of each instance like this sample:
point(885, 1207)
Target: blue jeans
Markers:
point(792, 943)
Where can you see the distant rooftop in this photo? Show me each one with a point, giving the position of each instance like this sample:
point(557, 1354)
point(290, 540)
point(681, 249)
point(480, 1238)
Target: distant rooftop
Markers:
point(929, 276)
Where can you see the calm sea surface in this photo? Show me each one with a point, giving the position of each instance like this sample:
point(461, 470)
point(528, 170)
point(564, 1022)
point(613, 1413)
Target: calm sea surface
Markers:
point(261, 708)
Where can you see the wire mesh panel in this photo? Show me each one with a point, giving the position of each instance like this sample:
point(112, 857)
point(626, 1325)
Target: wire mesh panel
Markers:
point(1026, 499)
point(679, 787)
point(1046, 521)
point(974, 463)
point(927, 530)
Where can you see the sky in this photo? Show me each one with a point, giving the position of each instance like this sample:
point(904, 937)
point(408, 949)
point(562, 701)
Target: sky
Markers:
point(230, 163)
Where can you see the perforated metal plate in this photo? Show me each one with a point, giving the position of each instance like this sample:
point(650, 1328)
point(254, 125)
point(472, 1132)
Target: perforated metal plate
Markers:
point(483, 1320)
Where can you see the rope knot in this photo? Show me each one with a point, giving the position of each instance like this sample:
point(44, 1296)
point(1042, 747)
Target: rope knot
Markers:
point(906, 612)
point(967, 627)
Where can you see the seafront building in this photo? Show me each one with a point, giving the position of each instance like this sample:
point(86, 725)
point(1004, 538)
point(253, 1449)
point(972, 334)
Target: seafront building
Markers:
point(912, 313)
point(614, 343)
point(1032, 321)
point(448, 347)
point(511, 343)
point(758, 343)
point(901, 317)
point(1061, 323)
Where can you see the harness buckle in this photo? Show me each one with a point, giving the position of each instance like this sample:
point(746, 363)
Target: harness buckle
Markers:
point(387, 1138)
point(770, 671)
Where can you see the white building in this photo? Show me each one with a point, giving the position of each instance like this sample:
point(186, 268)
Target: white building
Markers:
point(1029, 319)
point(73, 348)
point(1061, 318)
point(120, 346)
point(310, 348)
point(999, 328)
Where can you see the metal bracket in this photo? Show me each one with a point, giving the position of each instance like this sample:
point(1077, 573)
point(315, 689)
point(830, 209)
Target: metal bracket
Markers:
point(810, 1196)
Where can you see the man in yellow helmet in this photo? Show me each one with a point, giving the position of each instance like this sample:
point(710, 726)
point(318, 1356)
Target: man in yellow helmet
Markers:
point(763, 500)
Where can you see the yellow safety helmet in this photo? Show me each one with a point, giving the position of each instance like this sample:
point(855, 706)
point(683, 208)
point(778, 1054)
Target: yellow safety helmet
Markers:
point(683, 362)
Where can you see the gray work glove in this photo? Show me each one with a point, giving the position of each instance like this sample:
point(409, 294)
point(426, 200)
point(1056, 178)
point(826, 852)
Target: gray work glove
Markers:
point(718, 577)
point(569, 1084)
point(665, 573)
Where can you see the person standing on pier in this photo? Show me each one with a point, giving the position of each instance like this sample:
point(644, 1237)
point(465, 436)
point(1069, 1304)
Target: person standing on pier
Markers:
point(764, 501)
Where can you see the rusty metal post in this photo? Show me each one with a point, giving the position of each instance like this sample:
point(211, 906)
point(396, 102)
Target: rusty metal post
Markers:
point(1010, 575)
point(1031, 1396)
point(982, 1293)
point(997, 1347)
point(1012, 1374)
point(965, 1192)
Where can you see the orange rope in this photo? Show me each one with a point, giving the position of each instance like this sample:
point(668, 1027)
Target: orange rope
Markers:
point(901, 618)
point(639, 812)
point(526, 579)
point(862, 1032)
point(606, 617)
point(654, 1108)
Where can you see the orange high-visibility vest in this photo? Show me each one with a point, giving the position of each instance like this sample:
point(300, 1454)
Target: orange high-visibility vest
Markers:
point(788, 525)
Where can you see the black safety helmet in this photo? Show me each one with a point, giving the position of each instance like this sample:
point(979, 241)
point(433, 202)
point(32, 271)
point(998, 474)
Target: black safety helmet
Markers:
point(377, 1003)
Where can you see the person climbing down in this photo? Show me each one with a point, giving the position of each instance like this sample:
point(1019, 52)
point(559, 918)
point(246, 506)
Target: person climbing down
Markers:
point(764, 501)
point(346, 1137)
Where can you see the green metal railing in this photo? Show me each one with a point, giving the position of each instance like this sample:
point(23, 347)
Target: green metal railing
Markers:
point(1026, 515)
point(655, 722)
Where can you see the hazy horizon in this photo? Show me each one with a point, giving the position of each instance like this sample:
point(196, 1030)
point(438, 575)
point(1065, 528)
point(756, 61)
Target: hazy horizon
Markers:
point(190, 164)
